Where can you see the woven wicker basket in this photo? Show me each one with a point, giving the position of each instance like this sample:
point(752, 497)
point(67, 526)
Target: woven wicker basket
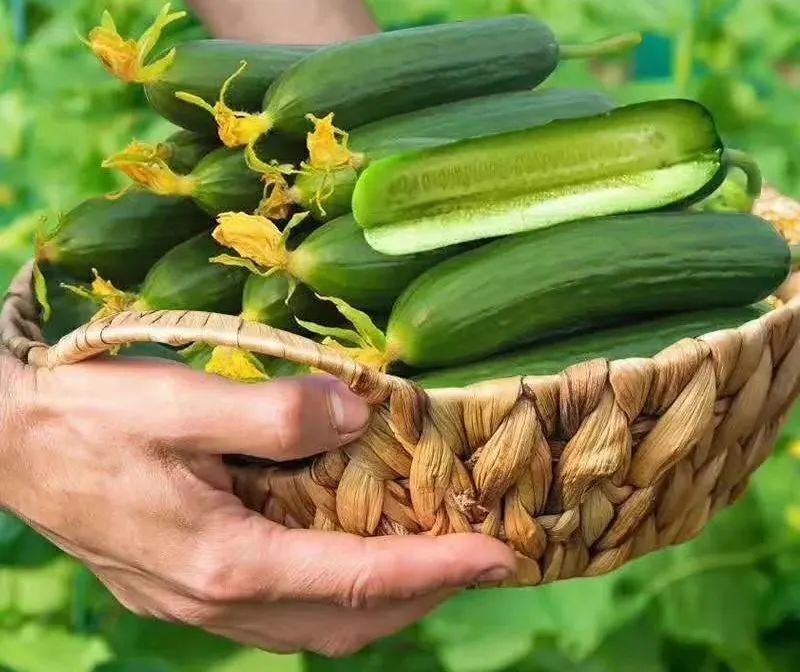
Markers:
point(579, 472)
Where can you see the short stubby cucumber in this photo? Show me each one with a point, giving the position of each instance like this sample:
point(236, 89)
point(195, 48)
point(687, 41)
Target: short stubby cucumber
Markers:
point(201, 68)
point(641, 157)
point(328, 193)
point(582, 276)
point(643, 339)
point(121, 238)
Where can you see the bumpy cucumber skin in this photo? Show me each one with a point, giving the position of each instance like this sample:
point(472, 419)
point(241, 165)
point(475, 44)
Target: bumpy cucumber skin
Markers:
point(122, 238)
point(396, 72)
point(640, 157)
point(201, 67)
point(486, 115)
point(264, 300)
point(225, 183)
point(186, 149)
point(441, 125)
point(636, 340)
point(335, 260)
point(581, 276)
point(185, 279)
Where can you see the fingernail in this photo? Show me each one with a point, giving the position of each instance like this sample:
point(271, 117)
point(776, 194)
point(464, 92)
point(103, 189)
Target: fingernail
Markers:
point(494, 576)
point(349, 412)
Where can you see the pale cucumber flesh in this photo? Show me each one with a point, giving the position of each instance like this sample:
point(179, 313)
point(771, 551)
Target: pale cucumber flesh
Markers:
point(649, 190)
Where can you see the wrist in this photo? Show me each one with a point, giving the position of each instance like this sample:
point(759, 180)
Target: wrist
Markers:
point(14, 390)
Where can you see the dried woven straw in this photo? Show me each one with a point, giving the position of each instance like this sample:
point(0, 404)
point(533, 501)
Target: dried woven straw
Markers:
point(579, 472)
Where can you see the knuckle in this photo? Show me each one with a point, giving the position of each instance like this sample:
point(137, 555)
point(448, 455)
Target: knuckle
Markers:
point(366, 588)
point(291, 410)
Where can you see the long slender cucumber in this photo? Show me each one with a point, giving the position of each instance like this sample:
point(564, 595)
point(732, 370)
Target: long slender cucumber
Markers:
point(582, 276)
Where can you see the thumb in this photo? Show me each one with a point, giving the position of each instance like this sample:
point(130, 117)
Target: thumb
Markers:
point(280, 420)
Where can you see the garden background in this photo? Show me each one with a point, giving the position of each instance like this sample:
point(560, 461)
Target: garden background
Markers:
point(729, 601)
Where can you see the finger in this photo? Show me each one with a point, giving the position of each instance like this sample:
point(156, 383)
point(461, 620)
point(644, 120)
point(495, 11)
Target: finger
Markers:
point(264, 561)
point(279, 420)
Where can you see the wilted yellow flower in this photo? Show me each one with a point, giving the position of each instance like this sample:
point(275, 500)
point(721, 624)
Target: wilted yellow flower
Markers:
point(235, 128)
point(236, 364)
point(111, 299)
point(327, 146)
point(144, 164)
point(254, 238)
point(125, 58)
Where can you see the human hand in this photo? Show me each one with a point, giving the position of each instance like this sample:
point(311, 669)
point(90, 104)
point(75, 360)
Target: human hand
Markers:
point(118, 462)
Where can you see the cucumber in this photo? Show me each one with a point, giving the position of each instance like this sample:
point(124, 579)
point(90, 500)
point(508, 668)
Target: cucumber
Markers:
point(582, 276)
point(185, 279)
point(201, 68)
point(265, 300)
point(640, 157)
point(435, 126)
point(120, 238)
point(183, 150)
point(637, 340)
point(379, 76)
point(221, 181)
point(335, 260)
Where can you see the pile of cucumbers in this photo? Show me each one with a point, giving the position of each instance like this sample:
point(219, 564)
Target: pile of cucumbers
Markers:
point(418, 201)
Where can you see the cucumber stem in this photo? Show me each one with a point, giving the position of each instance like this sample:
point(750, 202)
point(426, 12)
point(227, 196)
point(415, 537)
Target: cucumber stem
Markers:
point(613, 45)
point(749, 166)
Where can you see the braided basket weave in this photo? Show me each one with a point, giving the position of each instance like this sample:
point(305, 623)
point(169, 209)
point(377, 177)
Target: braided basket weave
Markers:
point(578, 472)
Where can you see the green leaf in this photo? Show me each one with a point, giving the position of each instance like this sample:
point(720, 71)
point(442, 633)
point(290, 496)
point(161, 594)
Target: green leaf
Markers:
point(137, 665)
point(259, 661)
point(36, 647)
point(36, 591)
point(578, 614)
point(361, 321)
point(342, 335)
point(11, 529)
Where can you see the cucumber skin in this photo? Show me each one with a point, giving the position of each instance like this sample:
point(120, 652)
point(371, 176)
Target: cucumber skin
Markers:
point(476, 117)
point(393, 73)
point(335, 260)
point(123, 238)
point(443, 124)
point(186, 149)
point(225, 183)
point(185, 279)
point(583, 276)
point(201, 67)
point(264, 301)
point(482, 177)
point(636, 340)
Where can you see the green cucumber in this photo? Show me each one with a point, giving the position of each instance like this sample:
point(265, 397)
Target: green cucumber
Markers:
point(392, 73)
point(436, 126)
point(223, 181)
point(183, 150)
point(641, 157)
point(185, 279)
point(201, 68)
point(265, 301)
point(121, 238)
point(335, 260)
point(582, 276)
point(636, 340)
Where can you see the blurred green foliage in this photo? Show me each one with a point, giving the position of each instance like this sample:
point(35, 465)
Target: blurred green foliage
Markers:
point(729, 601)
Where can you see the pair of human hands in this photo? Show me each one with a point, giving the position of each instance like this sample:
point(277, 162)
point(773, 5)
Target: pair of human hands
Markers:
point(119, 463)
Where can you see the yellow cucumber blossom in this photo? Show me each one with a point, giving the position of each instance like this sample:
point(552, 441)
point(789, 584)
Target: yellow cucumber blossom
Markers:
point(259, 243)
point(125, 58)
point(145, 165)
point(327, 146)
point(277, 203)
point(236, 128)
point(103, 292)
point(236, 364)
